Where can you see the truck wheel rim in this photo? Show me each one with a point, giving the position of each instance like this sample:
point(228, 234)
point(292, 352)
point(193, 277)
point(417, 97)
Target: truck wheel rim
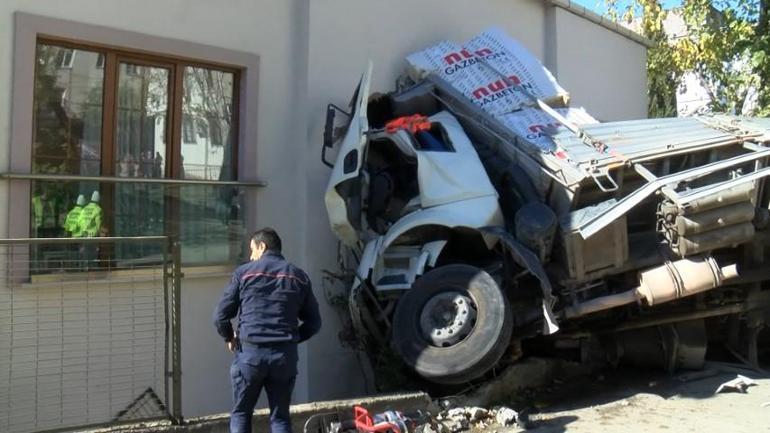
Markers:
point(447, 318)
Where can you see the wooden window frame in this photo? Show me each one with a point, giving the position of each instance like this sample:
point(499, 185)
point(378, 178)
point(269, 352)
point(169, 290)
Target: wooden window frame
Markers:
point(174, 133)
point(29, 28)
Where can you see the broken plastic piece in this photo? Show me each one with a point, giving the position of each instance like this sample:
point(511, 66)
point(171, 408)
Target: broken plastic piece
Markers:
point(738, 384)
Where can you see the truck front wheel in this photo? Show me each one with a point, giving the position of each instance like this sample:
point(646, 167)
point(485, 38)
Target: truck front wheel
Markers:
point(453, 325)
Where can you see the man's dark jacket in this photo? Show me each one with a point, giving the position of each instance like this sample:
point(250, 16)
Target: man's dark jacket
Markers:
point(271, 297)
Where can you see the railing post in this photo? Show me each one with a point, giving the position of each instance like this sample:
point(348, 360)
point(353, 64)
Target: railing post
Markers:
point(176, 329)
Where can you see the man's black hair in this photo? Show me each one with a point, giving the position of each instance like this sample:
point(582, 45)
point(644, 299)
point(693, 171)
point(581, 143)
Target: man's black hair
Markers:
point(269, 237)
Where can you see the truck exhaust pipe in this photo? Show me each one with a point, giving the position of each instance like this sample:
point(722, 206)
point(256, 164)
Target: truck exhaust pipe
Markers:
point(665, 283)
point(682, 278)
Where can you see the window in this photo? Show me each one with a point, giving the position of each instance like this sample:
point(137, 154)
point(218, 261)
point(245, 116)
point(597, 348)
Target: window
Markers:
point(129, 115)
point(208, 98)
point(67, 131)
point(131, 69)
point(203, 130)
point(216, 132)
point(188, 130)
point(66, 57)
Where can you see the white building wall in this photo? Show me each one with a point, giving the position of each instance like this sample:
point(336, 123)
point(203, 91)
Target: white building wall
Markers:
point(603, 71)
point(312, 53)
point(262, 27)
point(692, 97)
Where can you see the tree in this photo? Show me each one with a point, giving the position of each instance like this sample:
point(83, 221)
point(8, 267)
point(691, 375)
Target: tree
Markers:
point(726, 46)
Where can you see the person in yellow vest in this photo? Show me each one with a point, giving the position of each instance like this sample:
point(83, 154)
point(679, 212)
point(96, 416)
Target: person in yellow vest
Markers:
point(43, 215)
point(72, 223)
point(90, 224)
point(90, 219)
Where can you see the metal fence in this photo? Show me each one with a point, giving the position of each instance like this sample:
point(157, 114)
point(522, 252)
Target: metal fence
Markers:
point(87, 339)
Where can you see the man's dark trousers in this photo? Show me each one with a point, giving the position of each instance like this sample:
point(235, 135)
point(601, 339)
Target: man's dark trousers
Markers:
point(272, 366)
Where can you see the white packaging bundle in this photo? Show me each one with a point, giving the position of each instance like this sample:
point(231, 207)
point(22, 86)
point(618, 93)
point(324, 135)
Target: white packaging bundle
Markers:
point(468, 75)
point(509, 57)
point(468, 69)
point(434, 59)
point(537, 127)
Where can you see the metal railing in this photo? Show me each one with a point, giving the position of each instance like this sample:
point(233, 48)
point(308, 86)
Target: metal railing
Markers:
point(87, 339)
point(207, 216)
point(140, 180)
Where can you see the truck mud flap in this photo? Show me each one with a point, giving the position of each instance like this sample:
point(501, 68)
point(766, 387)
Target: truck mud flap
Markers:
point(528, 260)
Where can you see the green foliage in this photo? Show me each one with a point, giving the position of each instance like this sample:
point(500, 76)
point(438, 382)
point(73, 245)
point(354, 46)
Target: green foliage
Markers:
point(725, 45)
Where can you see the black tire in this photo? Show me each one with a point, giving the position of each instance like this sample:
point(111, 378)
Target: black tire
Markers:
point(474, 355)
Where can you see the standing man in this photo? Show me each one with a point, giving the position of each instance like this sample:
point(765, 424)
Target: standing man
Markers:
point(271, 297)
point(90, 218)
point(72, 222)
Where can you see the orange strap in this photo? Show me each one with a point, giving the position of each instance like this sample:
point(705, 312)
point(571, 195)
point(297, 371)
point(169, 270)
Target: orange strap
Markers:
point(414, 123)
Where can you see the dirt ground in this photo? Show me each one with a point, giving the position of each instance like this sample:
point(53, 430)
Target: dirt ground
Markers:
point(630, 400)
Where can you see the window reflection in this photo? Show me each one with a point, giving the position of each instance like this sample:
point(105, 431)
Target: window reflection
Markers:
point(141, 120)
point(142, 110)
point(67, 130)
point(66, 209)
point(207, 124)
point(68, 111)
point(211, 224)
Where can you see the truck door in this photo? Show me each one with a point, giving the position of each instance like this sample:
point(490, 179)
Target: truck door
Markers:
point(344, 192)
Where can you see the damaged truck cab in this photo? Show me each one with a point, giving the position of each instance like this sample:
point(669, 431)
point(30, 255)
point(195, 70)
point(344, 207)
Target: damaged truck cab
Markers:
point(469, 238)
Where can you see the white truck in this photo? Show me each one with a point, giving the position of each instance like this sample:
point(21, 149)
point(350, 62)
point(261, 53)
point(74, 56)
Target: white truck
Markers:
point(468, 238)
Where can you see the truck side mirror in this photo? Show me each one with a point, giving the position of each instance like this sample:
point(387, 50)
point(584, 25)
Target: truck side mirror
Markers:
point(331, 131)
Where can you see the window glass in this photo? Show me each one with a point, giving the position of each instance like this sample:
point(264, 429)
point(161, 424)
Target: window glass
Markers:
point(142, 112)
point(139, 210)
point(141, 120)
point(69, 107)
point(67, 130)
point(188, 130)
point(208, 100)
point(66, 57)
point(64, 209)
point(211, 224)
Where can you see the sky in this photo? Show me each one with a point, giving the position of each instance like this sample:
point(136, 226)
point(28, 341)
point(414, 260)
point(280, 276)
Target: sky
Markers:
point(599, 7)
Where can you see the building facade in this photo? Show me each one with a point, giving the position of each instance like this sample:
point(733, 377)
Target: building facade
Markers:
point(230, 95)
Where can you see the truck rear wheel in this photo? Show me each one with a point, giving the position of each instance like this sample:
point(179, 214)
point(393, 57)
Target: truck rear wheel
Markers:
point(453, 325)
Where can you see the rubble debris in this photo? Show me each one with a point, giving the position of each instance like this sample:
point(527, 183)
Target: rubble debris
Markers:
point(477, 413)
point(460, 418)
point(738, 384)
point(442, 428)
point(463, 418)
point(506, 416)
point(455, 425)
point(454, 413)
point(473, 414)
point(426, 428)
